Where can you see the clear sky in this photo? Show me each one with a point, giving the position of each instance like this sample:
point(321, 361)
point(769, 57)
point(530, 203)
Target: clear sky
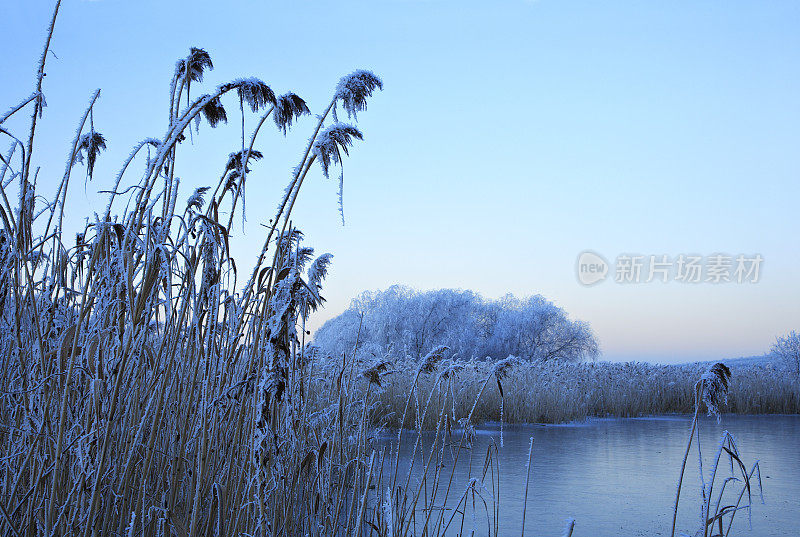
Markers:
point(510, 137)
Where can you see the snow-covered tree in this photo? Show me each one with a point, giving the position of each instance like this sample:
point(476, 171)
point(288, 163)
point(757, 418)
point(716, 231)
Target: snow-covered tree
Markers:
point(787, 349)
point(401, 322)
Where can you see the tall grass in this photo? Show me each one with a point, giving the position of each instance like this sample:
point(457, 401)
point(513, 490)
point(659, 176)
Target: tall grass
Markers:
point(556, 392)
point(149, 388)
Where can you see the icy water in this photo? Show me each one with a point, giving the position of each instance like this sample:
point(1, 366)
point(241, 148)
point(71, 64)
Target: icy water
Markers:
point(617, 477)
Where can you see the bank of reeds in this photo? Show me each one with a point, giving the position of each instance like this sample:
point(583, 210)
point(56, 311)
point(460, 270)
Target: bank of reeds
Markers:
point(150, 388)
point(557, 392)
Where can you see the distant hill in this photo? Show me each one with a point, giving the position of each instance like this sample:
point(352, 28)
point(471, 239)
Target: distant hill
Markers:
point(742, 361)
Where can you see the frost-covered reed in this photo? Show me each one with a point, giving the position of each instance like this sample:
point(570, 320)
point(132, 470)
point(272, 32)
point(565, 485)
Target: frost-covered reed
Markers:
point(717, 517)
point(148, 387)
point(554, 391)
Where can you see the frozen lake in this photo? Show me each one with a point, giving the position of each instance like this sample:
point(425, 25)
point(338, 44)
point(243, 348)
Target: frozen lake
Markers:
point(617, 477)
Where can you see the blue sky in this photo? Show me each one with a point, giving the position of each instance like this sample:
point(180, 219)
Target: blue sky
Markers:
point(510, 137)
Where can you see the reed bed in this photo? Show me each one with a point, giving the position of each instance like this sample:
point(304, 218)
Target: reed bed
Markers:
point(557, 392)
point(150, 388)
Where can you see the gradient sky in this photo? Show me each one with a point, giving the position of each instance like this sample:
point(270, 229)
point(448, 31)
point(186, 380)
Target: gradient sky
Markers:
point(511, 136)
